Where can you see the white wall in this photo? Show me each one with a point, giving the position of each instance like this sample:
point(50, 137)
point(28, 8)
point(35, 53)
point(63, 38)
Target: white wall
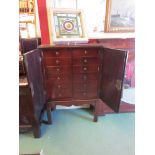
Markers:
point(94, 16)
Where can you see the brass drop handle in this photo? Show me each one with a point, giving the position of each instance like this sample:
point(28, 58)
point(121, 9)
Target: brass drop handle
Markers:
point(84, 94)
point(57, 61)
point(59, 86)
point(118, 84)
point(85, 68)
point(85, 86)
point(58, 78)
point(85, 60)
point(85, 77)
point(60, 95)
point(85, 52)
point(58, 69)
point(98, 68)
point(57, 53)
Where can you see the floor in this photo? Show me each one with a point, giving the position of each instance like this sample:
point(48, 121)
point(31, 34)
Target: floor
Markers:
point(74, 133)
point(129, 95)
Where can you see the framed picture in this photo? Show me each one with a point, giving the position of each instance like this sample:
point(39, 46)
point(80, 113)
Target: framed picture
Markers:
point(120, 16)
point(67, 26)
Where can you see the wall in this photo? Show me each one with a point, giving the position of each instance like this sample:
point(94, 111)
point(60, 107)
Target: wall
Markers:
point(94, 17)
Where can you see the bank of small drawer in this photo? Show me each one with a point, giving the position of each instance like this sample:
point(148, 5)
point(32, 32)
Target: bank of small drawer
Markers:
point(52, 71)
point(56, 94)
point(85, 86)
point(86, 69)
point(86, 61)
point(57, 53)
point(85, 52)
point(85, 95)
point(52, 61)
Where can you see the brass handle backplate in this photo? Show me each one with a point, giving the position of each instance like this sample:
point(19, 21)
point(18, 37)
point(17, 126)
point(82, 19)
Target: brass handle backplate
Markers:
point(118, 84)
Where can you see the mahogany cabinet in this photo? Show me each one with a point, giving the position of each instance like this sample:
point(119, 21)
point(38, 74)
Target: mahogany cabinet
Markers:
point(79, 74)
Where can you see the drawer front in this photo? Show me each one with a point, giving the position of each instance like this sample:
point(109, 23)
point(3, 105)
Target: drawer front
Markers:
point(86, 69)
point(59, 75)
point(85, 53)
point(54, 82)
point(88, 86)
point(86, 61)
point(56, 94)
point(85, 95)
point(85, 77)
point(50, 61)
point(58, 70)
point(57, 53)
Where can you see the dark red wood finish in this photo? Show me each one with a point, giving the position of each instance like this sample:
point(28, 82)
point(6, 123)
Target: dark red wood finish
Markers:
point(32, 98)
point(112, 77)
point(34, 67)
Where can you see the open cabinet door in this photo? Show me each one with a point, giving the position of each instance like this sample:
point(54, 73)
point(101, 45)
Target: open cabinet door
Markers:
point(34, 71)
point(113, 70)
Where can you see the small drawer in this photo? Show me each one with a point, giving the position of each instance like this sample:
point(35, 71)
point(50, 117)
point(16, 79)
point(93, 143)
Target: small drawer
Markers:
point(86, 69)
point(57, 53)
point(56, 94)
point(86, 61)
point(85, 95)
point(55, 82)
point(50, 61)
point(85, 86)
point(86, 77)
point(53, 71)
point(85, 53)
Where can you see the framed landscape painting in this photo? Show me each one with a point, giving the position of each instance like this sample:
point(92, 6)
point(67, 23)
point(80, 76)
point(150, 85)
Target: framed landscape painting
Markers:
point(120, 16)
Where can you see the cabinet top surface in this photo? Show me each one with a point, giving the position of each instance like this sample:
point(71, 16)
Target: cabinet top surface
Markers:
point(71, 46)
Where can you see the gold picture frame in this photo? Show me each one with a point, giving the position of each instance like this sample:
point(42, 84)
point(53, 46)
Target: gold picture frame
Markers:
point(119, 16)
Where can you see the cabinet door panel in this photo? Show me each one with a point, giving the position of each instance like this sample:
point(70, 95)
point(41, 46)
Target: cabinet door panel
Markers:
point(113, 69)
point(34, 68)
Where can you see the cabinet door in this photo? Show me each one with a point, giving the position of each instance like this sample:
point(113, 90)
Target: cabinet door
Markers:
point(34, 69)
point(113, 69)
